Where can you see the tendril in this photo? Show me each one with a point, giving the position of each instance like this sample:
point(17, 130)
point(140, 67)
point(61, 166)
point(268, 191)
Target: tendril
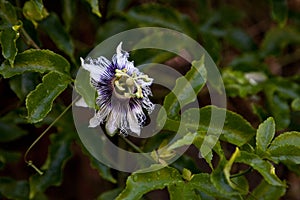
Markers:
point(29, 162)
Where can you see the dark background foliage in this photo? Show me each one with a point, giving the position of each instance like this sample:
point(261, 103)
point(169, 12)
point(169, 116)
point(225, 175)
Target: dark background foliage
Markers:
point(241, 36)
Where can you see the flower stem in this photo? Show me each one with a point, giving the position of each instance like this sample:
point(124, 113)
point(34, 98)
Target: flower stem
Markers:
point(136, 148)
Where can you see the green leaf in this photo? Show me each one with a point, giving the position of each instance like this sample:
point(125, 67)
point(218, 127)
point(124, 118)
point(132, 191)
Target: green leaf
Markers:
point(277, 39)
point(202, 182)
point(111, 194)
point(8, 13)
point(95, 7)
point(33, 12)
point(265, 134)
point(117, 6)
point(286, 147)
point(15, 116)
point(56, 31)
point(39, 4)
point(59, 153)
point(279, 11)
point(238, 83)
point(182, 190)
point(247, 62)
point(158, 15)
point(236, 129)
point(13, 189)
point(265, 191)
point(280, 110)
point(186, 161)
point(212, 45)
point(219, 180)
point(199, 187)
point(265, 168)
point(222, 180)
point(186, 89)
point(287, 88)
point(10, 131)
point(23, 84)
point(279, 93)
point(227, 169)
point(84, 88)
point(152, 55)
point(39, 101)
point(214, 143)
point(112, 27)
point(278, 107)
point(8, 38)
point(240, 39)
point(296, 104)
point(8, 157)
point(259, 111)
point(139, 184)
point(35, 61)
point(69, 8)
point(185, 140)
point(103, 170)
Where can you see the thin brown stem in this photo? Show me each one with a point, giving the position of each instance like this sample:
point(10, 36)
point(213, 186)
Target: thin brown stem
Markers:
point(28, 40)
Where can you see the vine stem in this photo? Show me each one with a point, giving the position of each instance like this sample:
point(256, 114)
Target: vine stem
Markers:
point(241, 173)
point(29, 162)
point(28, 40)
point(136, 148)
point(132, 145)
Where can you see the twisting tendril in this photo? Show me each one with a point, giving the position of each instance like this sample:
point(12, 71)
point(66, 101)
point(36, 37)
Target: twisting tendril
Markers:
point(29, 162)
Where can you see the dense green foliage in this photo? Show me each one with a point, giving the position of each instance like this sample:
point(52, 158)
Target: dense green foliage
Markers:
point(256, 47)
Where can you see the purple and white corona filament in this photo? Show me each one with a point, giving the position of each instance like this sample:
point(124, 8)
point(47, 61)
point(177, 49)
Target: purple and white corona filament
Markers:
point(123, 92)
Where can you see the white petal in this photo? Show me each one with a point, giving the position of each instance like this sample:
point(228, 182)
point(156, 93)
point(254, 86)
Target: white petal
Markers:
point(81, 103)
point(95, 121)
point(121, 57)
point(96, 67)
point(119, 49)
point(133, 123)
point(131, 68)
point(111, 125)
